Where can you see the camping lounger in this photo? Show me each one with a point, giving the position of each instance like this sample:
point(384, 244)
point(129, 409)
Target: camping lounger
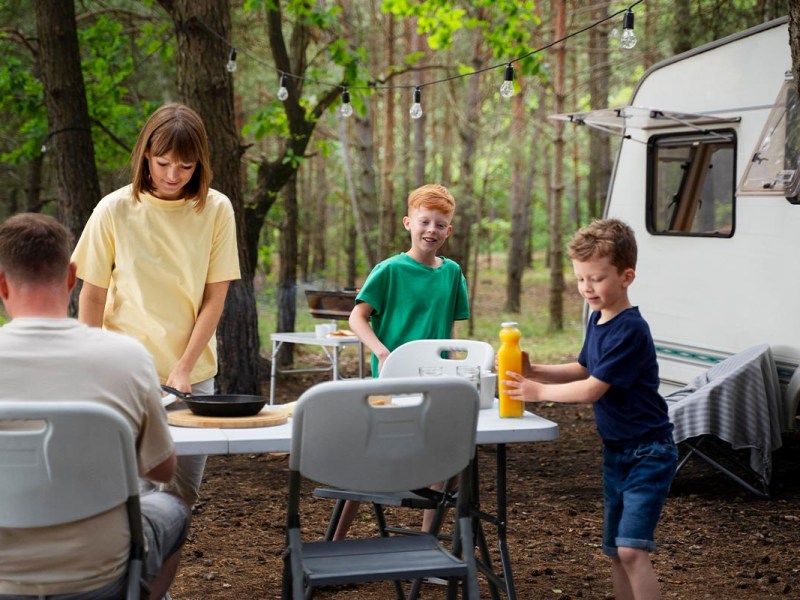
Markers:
point(738, 401)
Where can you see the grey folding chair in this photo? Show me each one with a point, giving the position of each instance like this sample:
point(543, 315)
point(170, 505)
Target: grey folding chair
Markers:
point(405, 361)
point(64, 461)
point(340, 439)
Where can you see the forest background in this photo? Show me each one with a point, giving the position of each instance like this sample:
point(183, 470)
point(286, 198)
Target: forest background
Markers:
point(319, 196)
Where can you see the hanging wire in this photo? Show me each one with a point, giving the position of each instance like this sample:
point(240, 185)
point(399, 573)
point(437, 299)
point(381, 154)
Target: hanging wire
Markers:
point(373, 86)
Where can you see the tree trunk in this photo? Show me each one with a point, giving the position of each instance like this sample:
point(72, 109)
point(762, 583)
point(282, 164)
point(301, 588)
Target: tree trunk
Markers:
point(681, 28)
point(519, 200)
point(366, 194)
point(69, 138)
point(599, 147)
point(460, 241)
point(205, 85)
point(301, 119)
point(358, 215)
point(388, 214)
point(287, 278)
point(419, 124)
point(556, 253)
point(317, 233)
point(575, 205)
point(794, 39)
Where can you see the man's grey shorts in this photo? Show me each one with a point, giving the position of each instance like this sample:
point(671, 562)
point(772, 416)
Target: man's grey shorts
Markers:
point(165, 521)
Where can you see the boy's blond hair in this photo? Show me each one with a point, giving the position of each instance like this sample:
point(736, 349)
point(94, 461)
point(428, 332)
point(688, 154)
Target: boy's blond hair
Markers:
point(605, 237)
point(433, 197)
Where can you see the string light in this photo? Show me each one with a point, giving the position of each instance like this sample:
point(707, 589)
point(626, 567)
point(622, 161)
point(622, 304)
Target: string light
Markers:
point(416, 107)
point(283, 93)
point(231, 66)
point(628, 39)
point(346, 109)
point(507, 88)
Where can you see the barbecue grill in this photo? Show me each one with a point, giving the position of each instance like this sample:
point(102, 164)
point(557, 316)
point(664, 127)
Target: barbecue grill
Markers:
point(330, 304)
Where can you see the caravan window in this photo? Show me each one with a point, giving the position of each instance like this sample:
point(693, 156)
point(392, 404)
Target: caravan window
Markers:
point(691, 183)
point(774, 168)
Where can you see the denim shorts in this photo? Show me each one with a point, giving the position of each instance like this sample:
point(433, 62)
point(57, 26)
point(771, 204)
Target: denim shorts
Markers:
point(636, 483)
point(165, 521)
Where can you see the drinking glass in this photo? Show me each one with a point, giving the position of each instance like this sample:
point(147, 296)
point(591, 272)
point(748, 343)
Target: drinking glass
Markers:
point(430, 371)
point(472, 374)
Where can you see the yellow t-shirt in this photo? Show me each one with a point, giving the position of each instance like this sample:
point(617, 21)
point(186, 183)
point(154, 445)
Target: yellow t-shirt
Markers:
point(155, 258)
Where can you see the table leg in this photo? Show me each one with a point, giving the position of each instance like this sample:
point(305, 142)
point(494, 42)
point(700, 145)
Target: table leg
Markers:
point(335, 363)
point(273, 371)
point(499, 520)
point(502, 521)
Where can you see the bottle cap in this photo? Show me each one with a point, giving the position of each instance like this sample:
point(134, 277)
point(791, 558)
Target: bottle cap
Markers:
point(509, 324)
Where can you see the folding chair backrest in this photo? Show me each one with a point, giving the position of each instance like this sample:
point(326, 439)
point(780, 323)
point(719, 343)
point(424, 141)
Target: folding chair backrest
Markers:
point(405, 360)
point(62, 461)
point(339, 438)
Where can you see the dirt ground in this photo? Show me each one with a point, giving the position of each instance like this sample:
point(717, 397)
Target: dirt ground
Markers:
point(716, 540)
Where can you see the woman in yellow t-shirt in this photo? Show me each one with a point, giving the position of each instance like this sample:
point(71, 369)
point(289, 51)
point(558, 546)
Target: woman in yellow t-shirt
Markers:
point(157, 256)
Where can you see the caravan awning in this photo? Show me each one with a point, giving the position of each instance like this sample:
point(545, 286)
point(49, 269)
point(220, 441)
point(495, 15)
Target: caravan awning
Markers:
point(617, 120)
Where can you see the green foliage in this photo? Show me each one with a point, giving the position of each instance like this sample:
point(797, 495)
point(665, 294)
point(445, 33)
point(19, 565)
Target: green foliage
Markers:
point(264, 263)
point(292, 158)
point(269, 120)
point(504, 24)
point(331, 46)
point(107, 65)
point(22, 99)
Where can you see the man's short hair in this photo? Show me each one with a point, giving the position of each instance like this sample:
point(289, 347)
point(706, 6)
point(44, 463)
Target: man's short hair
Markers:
point(605, 237)
point(34, 248)
point(433, 197)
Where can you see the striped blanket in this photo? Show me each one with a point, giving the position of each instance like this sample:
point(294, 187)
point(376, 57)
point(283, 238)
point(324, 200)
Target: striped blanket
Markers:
point(739, 401)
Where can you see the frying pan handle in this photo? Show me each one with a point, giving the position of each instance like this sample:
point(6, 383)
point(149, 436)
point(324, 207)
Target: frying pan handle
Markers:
point(178, 393)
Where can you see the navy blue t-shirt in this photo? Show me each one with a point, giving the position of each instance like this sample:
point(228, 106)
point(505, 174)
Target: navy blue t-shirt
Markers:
point(621, 353)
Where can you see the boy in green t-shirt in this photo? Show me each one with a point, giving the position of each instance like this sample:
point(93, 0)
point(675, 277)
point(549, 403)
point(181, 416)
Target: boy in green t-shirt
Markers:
point(411, 296)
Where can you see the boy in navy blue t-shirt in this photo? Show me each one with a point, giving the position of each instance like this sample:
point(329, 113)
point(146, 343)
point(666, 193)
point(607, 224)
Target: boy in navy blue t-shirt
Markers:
point(617, 372)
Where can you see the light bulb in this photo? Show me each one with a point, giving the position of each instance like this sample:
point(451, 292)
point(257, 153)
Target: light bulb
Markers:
point(283, 93)
point(628, 39)
point(614, 34)
point(231, 66)
point(346, 109)
point(416, 108)
point(507, 88)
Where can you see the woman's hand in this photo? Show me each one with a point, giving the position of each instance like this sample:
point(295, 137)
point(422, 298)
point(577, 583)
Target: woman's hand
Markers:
point(179, 379)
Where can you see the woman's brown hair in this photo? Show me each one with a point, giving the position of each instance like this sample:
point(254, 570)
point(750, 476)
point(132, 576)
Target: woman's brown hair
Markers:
point(178, 129)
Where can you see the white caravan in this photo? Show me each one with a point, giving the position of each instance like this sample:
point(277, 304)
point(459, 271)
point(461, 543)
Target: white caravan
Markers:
point(707, 175)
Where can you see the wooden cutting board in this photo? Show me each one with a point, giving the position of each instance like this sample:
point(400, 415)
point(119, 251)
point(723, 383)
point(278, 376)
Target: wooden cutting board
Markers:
point(268, 418)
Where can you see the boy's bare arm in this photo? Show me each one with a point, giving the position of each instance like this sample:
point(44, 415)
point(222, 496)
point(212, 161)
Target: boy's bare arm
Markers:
point(582, 391)
point(554, 373)
point(359, 324)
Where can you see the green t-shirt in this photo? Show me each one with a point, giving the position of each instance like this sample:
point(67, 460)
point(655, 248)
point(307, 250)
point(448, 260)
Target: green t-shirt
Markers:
point(412, 301)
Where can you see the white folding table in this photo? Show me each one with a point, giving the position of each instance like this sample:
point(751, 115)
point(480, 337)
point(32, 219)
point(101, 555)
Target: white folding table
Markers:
point(310, 339)
point(491, 430)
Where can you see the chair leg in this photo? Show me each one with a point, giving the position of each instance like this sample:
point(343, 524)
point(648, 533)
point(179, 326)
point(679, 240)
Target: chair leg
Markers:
point(336, 514)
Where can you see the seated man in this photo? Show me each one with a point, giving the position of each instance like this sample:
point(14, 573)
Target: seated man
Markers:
point(44, 355)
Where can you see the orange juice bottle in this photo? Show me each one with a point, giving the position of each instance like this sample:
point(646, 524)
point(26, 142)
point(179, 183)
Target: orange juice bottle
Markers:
point(509, 358)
